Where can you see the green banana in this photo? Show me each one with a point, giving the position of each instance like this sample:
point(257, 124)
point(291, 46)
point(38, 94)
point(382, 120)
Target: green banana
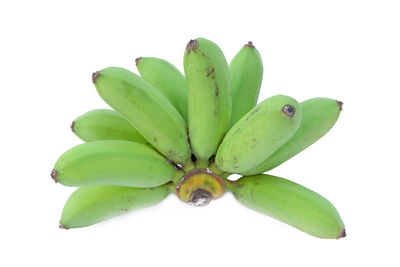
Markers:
point(167, 79)
point(290, 203)
point(113, 162)
point(209, 97)
point(148, 111)
point(92, 204)
point(105, 124)
point(318, 117)
point(246, 75)
point(258, 134)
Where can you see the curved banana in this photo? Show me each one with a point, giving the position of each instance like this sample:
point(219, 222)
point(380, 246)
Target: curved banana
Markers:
point(113, 162)
point(148, 111)
point(92, 204)
point(167, 79)
point(258, 134)
point(209, 97)
point(246, 75)
point(105, 124)
point(318, 117)
point(290, 203)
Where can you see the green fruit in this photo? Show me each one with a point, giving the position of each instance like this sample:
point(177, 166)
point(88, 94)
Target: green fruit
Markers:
point(113, 162)
point(209, 97)
point(92, 204)
point(318, 117)
point(148, 111)
point(171, 133)
point(258, 134)
point(105, 124)
point(167, 79)
point(246, 75)
point(290, 203)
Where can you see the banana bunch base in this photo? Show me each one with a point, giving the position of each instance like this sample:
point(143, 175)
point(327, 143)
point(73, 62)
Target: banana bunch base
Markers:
point(186, 134)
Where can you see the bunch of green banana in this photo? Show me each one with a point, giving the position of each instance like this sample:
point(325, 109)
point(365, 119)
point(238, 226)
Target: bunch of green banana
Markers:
point(170, 133)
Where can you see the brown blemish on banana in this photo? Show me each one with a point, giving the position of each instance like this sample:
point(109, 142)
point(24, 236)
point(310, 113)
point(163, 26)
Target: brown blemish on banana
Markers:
point(252, 195)
point(234, 158)
point(72, 126)
point(342, 233)
point(209, 72)
point(95, 76)
point(229, 184)
point(340, 103)
point(193, 44)
point(288, 110)
point(255, 111)
point(54, 175)
point(249, 44)
point(137, 60)
point(62, 226)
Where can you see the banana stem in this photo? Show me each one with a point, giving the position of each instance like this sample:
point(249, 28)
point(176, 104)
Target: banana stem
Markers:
point(218, 171)
point(171, 187)
point(201, 164)
point(225, 175)
point(229, 185)
point(188, 166)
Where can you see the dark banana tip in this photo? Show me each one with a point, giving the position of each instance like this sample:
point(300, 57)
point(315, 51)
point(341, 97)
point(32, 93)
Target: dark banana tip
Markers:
point(340, 103)
point(95, 76)
point(342, 233)
point(54, 175)
point(288, 110)
point(249, 44)
point(72, 126)
point(138, 60)
point(62, 226)
point(192, 45)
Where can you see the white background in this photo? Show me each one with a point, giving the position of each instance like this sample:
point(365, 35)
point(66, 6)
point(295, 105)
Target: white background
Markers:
point(348, 50)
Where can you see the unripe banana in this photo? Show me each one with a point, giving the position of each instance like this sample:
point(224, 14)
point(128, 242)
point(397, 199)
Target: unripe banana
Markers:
point(105, 124)
point(209, 97)
point(92, 204)
point(246, 75)
point(167, 79)
point(318, 117)
point(290, 203)
point(258, 134)
point(113, 162)
point(148, 111)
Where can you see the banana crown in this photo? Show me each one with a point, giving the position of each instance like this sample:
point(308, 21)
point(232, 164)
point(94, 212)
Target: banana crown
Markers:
point(169, 132)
